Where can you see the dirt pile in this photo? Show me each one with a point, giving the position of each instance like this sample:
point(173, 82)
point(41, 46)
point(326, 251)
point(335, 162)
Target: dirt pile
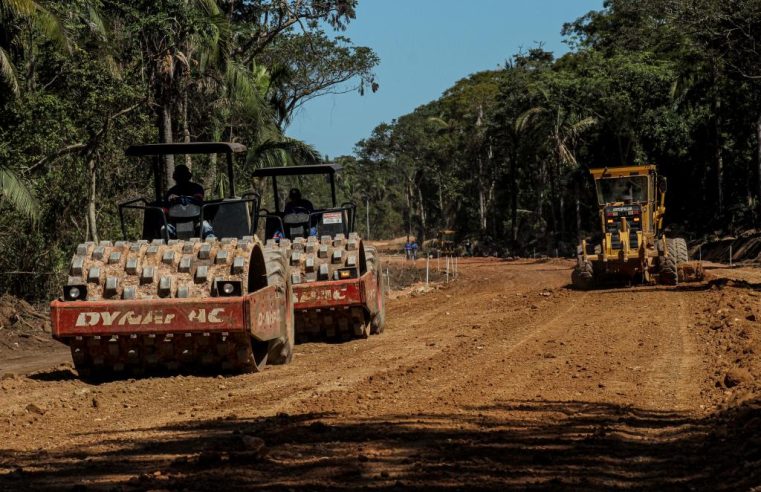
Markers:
point(730, 331)
point(745, 248)
point(21, 326)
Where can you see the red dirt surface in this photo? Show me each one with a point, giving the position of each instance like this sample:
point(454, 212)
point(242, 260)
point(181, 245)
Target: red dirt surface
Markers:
point(505, 378)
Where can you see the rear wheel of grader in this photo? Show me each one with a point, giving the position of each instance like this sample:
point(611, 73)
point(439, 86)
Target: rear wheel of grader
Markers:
point(583, 275)
point(678, 250)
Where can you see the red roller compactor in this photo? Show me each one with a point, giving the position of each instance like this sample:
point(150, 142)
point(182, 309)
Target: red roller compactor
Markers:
point(336, 279)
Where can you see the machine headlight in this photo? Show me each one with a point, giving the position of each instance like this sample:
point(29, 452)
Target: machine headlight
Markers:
point(74, 293)
point(229, 288)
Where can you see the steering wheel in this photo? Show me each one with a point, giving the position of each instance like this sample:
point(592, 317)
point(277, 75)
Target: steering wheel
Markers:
point(185, 200)
point(299, 210)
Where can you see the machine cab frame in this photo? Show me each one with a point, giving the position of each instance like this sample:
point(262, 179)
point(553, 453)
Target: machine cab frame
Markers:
point(230, 216)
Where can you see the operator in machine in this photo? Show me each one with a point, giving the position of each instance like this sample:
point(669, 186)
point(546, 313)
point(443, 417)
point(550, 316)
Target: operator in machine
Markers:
point(185, 188)
point(295, 202)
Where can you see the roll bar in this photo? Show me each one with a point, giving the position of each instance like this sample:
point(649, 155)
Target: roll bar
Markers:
point(162, 149)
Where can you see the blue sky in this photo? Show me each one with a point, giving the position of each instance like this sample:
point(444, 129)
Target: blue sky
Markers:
point(425, 46)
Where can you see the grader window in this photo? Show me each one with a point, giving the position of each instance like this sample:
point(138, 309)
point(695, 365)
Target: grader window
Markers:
point(630, 189)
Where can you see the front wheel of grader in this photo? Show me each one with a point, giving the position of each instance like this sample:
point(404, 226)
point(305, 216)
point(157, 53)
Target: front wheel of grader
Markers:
point(668, 271)
point(582, 277)
point(678, 250)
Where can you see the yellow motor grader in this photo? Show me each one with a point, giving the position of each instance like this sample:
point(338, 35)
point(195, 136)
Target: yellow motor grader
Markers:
point(634, 247)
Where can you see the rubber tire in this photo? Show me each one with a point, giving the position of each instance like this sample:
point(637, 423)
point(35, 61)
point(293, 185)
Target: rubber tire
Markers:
point(282, 349)
point(678, 250)
point(583, 276)
point(668, 273)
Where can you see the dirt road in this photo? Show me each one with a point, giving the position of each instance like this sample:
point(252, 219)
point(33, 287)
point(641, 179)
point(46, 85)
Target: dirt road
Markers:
point(502, 379)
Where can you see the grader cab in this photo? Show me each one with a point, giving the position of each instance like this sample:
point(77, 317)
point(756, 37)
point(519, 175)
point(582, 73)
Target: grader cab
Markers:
point(633, 246)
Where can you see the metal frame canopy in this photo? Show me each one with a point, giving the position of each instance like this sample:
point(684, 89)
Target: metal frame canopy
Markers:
point(162, 149)
point(274, 172)
point(297, 170)
point(617, 172)
point(184, 148)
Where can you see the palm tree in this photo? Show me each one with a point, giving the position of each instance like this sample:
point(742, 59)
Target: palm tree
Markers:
point(16, 16)
point(17, 193)
point(561, 129)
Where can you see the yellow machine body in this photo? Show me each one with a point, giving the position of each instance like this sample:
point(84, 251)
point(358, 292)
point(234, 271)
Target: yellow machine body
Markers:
point(631, 209)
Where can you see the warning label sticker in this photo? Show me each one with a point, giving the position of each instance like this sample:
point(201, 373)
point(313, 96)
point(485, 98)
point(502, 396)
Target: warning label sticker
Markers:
point(332, 218)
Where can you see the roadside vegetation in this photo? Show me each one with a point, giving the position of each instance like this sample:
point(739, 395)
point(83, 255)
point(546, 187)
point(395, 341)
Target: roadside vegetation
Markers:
point(503, 155)
point(81, 80)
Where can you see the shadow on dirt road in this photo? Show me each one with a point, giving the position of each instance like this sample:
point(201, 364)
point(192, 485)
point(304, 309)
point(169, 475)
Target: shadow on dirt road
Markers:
point(526, 445)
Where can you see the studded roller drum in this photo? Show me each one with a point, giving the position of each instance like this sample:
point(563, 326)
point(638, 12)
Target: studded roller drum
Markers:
point(323, 259)
point(378, 319)
point(159, 269)
point(280, 351)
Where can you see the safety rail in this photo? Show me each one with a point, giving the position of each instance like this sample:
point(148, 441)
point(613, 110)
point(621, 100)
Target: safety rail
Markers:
point(249, 197)
point(348, 207)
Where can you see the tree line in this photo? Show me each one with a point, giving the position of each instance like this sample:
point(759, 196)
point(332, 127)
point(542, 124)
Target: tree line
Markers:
point(80, 80)
point(503, 155)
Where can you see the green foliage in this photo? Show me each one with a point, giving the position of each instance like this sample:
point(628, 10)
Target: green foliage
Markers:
point(84, 79)
point(503, 155)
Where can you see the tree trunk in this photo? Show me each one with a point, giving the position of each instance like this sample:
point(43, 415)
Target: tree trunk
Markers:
point(562, 217)
point(578, 212)
point(421, 230)
point(513, 199)
point(718, 152)
point(758, 146)
point(210, 183)
point(551, 237)
point(186, 128)
point(481, 197)
point(165, 132)
point(719, 171)
point(408, 198)
point(444, 214)
point(92, 220)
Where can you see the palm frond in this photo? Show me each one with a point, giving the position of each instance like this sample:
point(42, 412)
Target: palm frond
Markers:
point(18, 7)
point(523, 120)
point(16, 192)
point(96, 22)
point(52, 28)
point(7, 72)
point(282, 152)
point(566, 155)
point(582, 125)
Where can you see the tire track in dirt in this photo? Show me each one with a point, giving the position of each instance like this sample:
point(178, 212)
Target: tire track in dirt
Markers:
point(504, 357)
